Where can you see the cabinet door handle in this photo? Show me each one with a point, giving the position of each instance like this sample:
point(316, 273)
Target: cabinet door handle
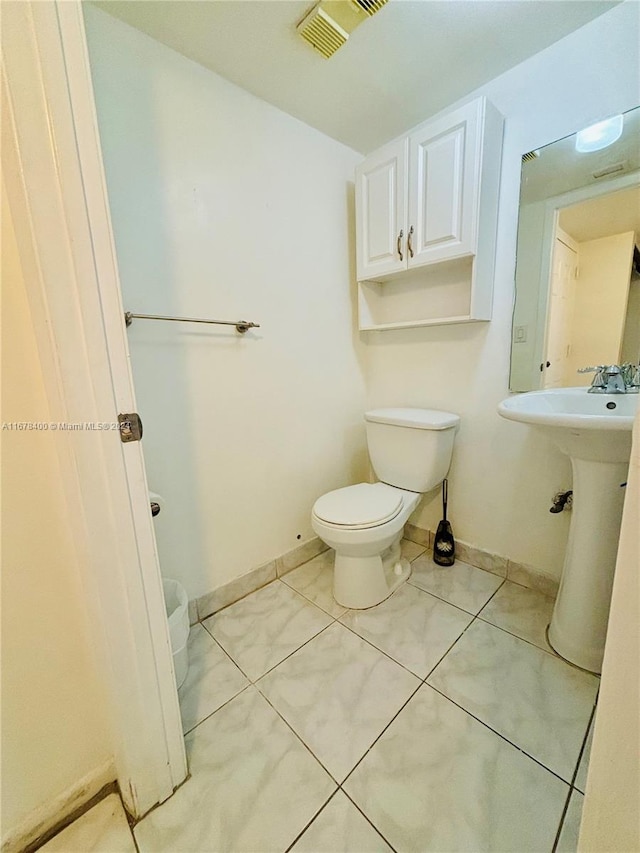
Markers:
point(409, 246)
point(399, 245)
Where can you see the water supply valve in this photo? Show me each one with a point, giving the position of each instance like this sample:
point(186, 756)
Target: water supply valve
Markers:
point(563, 500)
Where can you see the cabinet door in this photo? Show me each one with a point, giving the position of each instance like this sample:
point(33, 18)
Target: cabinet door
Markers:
point(444, 174)
point(381, 209)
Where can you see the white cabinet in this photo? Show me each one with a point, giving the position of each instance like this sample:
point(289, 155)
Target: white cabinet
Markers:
point(426, 213)
point(382, 211)
point(444, 160)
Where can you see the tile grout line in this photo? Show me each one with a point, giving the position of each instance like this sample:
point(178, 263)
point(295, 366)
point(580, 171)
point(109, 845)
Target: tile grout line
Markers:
point(399, 711)
point(591, 723)
point(297, 736)
point(433, 668)
point(324, 806)
point(381, 651)
point(549, 651)
point(256, 685)
point(224, 704)
point(311, 601)
point(224, 651)
point(306, 746)
point(524, 752)
point(501, 736)
point(317, 814)
point(446, 600)
point(368, 819)
point(295, 651)
point(306, 601)
point(565, 809)
point(220, 646)
point(133, 835)
point(426, 592)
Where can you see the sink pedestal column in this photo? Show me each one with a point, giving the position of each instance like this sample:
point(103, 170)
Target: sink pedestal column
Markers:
point(579, 624)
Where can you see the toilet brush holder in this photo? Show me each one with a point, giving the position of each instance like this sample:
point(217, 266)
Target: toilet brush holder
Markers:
point(444, 545)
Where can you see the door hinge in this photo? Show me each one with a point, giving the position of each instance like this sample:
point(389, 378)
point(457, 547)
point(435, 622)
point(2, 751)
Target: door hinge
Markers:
point(130, 427)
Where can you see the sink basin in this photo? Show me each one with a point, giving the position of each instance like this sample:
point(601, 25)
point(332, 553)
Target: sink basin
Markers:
point(594, 430)
point(585, 426)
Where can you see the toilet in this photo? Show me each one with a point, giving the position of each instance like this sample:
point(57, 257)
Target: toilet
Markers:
point(410, 451)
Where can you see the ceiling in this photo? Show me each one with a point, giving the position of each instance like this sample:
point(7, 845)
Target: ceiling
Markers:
point(616, 213)
point(559, 168)
point(410, 60)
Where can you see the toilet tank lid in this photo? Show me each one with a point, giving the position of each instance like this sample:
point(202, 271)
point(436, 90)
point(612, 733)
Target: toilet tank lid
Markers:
point(415, 418)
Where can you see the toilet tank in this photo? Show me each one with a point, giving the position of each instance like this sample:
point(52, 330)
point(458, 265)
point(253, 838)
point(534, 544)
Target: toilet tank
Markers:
point(411, 448)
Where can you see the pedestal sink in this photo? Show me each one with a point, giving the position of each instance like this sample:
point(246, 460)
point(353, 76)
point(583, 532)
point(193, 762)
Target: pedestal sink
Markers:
point(594, 430)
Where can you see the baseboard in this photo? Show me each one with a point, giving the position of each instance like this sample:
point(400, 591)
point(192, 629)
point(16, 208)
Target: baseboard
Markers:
point(534, 579)
point(495, 563)
point(44, 822)
point(238, 588)
point(210, 603)
point(299, 555)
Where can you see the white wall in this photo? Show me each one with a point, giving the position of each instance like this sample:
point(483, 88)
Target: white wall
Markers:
point(631, 339)
point(610, 816)
point(503, 474)
point(54, 732)
point(225, 207)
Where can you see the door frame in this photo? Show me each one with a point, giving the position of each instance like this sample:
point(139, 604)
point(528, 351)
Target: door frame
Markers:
point(568, 241)
point(52, 167)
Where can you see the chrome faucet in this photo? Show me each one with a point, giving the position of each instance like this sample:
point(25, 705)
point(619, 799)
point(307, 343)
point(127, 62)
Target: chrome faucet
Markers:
point(614, 378)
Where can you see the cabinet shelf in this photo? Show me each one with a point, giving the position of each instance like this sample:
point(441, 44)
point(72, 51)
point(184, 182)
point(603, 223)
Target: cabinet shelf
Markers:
point(441, 294)
point(415, 324)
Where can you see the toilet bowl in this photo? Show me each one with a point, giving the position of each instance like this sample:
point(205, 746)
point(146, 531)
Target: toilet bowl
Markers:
point(410, 452)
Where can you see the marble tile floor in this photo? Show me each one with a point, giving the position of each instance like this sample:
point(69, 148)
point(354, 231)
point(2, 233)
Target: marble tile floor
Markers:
point(439, 720)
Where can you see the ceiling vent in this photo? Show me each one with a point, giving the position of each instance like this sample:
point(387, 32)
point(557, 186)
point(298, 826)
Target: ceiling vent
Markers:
point(613, 169)
point(370, 7)
point(322, 32)
point(328, 25)
point(529, 156)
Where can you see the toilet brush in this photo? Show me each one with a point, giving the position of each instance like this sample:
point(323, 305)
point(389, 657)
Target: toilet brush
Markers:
point(444, 545)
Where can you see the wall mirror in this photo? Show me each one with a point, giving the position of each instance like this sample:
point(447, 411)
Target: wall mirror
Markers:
point(578, 261)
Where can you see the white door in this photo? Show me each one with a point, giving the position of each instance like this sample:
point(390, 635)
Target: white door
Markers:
point(52, 165)
point(381, 201)
point(561, 302)
point(444, 169)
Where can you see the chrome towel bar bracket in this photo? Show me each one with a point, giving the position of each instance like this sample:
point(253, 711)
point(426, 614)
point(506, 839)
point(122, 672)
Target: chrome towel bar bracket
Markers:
point(242, 326)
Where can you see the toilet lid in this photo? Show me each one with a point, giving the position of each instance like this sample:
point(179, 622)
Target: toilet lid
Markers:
point(364, 505)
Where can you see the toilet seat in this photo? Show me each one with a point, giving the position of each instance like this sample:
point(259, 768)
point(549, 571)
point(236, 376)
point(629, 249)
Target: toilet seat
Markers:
point(359, 507)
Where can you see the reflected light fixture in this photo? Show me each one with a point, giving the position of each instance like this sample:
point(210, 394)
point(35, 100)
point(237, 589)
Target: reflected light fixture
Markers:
point(599, 135)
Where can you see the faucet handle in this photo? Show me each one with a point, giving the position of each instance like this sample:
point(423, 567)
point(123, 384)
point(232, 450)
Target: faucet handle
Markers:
point(597, 369)
point(599, 380)
point(627, 373)
point(634, 384)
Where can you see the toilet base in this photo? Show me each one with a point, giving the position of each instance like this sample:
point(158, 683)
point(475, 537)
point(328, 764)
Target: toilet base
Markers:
point(362, 582)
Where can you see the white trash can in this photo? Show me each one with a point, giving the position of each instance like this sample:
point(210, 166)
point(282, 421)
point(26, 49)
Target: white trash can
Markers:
point(177, 607)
